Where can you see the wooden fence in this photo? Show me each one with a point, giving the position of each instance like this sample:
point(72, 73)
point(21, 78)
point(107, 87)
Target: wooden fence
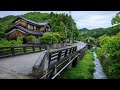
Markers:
point(18, 50)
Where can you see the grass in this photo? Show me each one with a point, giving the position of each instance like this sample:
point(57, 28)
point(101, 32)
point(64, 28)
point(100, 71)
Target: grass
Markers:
point(83, 70)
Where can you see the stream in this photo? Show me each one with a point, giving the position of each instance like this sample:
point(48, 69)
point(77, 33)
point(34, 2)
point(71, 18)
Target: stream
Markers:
point(98, 73)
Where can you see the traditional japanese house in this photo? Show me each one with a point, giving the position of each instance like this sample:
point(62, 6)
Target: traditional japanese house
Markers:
point(24, 27)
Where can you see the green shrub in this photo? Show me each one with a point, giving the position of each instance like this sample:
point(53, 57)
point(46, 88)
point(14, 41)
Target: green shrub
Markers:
point(31, 39)
point(57, 35)
point(49, 38)
point(108, 54)
point(17, 42)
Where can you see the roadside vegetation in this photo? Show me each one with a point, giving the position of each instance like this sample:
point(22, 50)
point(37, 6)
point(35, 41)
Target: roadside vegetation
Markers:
point(109, 55)
point(109, 52)
point(17, 42)
point(83, 70)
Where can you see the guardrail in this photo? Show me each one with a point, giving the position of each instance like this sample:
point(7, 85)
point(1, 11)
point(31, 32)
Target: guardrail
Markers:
point(18, 50)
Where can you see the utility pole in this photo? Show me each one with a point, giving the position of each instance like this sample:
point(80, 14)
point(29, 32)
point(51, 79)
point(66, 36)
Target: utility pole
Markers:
point(66, 35)
point(71, 28)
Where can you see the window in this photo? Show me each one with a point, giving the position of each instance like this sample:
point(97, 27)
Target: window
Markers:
point(34, 27)
point(30, 26)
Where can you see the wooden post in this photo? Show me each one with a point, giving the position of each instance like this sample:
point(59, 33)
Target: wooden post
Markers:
point(24, 49)
point(49, 59)
point(39, 48)
point(66, 53)
point(75, 48)
point(70, 51)
point(33, 48)
point(59, 55)
point(12, 51)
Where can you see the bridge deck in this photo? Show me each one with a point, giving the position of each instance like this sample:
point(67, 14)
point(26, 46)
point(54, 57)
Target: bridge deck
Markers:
point(18, 66)
point(11, 66)
point(80, 45)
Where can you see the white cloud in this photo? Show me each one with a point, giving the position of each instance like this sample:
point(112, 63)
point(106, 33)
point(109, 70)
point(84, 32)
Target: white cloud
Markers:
point(93, 19)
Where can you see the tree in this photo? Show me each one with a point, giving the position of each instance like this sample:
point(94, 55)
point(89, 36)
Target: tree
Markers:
point(110, 49)
point(57, 35)
point(116, 19)
point(31, 39)
point(48, 38)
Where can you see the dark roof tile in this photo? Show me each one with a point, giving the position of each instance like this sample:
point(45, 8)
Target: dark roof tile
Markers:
point(26, 30)
point(30, 21)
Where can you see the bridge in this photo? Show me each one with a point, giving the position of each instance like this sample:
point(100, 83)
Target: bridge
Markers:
point(40, 64)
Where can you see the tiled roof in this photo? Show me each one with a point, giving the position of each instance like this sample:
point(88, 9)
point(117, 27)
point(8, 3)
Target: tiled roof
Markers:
point(25, 30)
point(30, 21)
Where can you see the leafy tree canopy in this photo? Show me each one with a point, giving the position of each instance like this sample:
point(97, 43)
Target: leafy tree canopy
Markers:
point(116, 19)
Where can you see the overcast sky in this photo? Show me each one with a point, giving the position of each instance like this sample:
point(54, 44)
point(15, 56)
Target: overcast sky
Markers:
point(83, 19)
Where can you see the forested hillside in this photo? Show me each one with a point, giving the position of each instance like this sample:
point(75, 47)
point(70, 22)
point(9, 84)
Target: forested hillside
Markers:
point(5, 24)
point(58, 22)
point(96, 33)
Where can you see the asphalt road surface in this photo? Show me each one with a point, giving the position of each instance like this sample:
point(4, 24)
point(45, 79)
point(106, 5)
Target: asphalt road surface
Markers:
point(17, 67)
point(21, 65)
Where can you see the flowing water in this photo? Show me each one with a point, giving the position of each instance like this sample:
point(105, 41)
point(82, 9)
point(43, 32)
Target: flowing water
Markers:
point(98, 73)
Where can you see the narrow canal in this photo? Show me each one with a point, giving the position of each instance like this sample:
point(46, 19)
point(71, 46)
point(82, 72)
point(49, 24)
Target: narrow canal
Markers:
point(98, 73)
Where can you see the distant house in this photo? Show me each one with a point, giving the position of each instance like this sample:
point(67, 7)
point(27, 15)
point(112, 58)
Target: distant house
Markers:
point(24, 27)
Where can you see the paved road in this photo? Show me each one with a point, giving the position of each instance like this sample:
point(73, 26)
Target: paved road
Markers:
point(11, 66)
point(17, 66)
point(80, 45)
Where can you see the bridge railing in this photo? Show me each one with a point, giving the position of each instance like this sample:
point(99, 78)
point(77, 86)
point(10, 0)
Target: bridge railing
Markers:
point(49, 63)
point(61, 54)
point(18, 50)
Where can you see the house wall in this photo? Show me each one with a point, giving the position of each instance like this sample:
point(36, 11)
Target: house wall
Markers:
point(35, 27)
point(48, 28)
point(32, 27)
point(42, 29)
point(15, 34)
point(22, 23)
